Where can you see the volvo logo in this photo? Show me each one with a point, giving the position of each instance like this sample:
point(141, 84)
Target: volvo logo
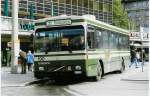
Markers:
point(41, 58)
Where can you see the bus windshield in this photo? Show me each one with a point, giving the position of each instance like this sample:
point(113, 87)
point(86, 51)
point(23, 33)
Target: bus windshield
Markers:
point(69, 38)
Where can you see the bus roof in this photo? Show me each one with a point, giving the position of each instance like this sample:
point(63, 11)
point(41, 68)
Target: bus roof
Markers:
point(89, 20)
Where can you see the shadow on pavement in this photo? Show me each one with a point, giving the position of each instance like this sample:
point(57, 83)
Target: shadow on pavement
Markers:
point(58, 82)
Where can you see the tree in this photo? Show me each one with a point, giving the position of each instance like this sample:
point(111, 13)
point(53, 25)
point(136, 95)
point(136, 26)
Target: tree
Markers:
point(120, 17)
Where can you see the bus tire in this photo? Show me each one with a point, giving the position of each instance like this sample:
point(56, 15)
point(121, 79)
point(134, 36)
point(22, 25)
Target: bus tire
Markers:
point(122, 66)
point(99, 73)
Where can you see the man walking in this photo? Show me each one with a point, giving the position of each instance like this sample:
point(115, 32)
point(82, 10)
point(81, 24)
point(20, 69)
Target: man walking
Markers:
point(23, 61)
point(133, 58)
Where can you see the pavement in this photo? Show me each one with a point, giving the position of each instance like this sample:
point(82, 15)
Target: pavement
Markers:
point(137, 74)
point(9, 79)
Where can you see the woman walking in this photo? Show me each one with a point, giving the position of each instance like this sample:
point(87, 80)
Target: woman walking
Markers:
point(30, 60)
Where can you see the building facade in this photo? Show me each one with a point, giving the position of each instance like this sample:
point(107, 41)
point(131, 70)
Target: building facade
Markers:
point(102, 9)
point(138, 13)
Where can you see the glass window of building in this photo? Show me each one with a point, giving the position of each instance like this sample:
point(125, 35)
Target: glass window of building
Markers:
point(85, 3)
point(110, 7)
point(39, 7)
point(100, 6)
point(68, 2)
point(91, 4)
point(74, 2)
point(80, 2)
point(39, 1)
point(62, 1)
point(106, 7)
point(96, 5)
point(55, 1)
point(23, 5)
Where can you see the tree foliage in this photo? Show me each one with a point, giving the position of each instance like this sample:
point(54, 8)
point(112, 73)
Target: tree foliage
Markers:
point(120, 17)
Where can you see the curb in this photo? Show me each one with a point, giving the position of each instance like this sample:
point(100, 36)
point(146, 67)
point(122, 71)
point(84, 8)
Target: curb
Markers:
point(13, 85)
point(133, 80)
point(36, 82)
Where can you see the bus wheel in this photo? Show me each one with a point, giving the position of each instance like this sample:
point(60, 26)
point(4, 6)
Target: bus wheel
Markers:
point(99, 73)
point(122, 66)
point(38, 76)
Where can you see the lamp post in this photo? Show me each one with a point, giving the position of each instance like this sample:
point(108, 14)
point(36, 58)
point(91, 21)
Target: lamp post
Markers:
point(52, 8)
point(31, 11)
point(141, 36)
point(14, 37)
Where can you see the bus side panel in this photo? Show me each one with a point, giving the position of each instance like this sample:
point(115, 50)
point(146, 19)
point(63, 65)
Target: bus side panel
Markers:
point(91, 67)
point(127, 61)
point(115, 61)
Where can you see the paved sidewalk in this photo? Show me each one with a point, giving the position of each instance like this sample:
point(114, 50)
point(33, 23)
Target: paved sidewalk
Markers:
point(9, 79)
point(136, 74)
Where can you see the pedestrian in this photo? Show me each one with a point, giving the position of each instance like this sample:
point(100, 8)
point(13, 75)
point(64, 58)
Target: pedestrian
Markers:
point(143, 56)
point(23, 61)
point(133, 58)
point(30, 60)
point(138, 56)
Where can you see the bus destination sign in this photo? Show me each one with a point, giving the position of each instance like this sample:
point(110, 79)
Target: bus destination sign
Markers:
point(58, 22)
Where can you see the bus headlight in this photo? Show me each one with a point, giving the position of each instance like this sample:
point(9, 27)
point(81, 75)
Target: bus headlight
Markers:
point(41, 68)
point(78, 67)
point(69, 68)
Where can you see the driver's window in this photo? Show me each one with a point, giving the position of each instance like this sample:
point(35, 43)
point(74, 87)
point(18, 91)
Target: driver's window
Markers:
point(90, 38)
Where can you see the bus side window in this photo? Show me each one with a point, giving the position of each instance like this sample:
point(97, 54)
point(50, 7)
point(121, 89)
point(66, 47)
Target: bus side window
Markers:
point(90, 37)
point(90, 40)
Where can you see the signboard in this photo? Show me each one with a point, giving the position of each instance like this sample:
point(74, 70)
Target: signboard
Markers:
point(24, 24)
point(27, 26)
point(137, 35)
point(59, 22)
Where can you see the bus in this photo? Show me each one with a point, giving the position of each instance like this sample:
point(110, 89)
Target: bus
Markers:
point(78, 46)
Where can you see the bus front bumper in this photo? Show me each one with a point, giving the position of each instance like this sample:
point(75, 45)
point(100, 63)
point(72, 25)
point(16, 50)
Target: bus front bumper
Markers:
point(59, 74)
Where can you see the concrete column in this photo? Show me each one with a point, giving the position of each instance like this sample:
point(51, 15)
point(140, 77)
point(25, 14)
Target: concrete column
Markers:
point(52, 8)
point(14, 37)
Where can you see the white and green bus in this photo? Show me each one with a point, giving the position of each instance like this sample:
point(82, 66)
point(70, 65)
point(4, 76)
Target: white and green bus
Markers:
point(68, 46)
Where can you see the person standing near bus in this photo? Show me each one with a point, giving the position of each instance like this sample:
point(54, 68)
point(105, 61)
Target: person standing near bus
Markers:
point(23, 61)
point(138, 56)
point(134, 58)
point(30, 60)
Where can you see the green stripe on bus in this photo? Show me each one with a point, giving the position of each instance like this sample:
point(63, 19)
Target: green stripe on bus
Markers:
point(63, 54)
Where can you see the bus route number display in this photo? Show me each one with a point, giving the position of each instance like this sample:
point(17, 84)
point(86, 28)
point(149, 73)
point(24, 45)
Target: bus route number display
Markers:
point(58, 22)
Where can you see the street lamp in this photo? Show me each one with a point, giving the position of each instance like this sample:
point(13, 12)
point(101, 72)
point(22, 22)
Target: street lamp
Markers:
point(31, 11)
point(141, 37)
point(6, 8)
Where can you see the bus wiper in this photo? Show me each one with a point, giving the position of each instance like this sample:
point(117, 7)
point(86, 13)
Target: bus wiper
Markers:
point(69, 49)
point(46, 51)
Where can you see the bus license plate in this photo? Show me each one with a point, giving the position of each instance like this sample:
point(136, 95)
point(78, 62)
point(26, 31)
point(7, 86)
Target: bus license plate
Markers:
point(77, 72)
point(41, 68)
